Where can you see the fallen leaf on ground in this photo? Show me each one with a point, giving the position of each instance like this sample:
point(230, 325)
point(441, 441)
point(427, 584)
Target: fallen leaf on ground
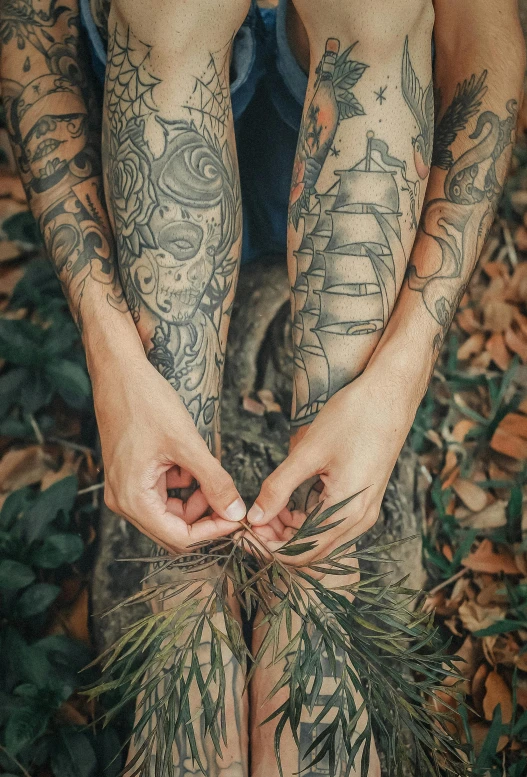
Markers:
point(498, 351)
point(497, 692)
point(491, 517)
point(470, 494)
point(475, 617)
point(23, 467)
point(510, 445)
point(485, 559)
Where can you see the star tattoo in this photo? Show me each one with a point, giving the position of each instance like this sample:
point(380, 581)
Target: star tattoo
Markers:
point(380, 94)
point(334, 151)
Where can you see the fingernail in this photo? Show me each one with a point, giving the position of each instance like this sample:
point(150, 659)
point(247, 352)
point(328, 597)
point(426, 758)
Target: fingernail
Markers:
point(255, 514)
point(236, 511)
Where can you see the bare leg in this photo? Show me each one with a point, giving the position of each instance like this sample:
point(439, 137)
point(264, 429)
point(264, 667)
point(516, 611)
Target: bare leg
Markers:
point(360, 175)
point(173, 194)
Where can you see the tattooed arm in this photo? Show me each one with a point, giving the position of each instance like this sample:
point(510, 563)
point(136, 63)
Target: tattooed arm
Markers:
point(52, 119)
point(354, 442)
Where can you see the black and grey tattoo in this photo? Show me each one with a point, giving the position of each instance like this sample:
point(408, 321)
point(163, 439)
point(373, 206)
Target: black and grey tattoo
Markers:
point(458, 222)
point(350, 262)
point(177, 216)
point(53, 122)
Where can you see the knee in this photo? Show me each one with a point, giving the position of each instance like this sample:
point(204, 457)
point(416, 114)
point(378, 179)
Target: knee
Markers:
point(378, 25)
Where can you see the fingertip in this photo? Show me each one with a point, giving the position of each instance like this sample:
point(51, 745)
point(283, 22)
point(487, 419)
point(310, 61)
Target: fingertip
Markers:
point(236, 511)
point(256, 515)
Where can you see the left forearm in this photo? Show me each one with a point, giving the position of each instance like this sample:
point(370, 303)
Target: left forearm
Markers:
point(479, 92)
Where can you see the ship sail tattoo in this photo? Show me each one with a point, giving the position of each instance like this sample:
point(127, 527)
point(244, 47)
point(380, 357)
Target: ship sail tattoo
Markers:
point(350, 264)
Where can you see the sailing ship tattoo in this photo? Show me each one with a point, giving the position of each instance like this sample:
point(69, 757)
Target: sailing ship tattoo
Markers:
point(350, 262)
point(458, 223)
point(177, 219)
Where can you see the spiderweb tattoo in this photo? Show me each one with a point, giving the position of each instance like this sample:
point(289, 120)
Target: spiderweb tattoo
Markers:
point(129, 84)
point(210, 103)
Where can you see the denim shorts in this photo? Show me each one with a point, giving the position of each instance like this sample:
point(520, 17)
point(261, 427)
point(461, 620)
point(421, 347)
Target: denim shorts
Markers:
point(267, 90)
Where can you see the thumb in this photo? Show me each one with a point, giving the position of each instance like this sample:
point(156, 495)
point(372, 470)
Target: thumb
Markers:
point(277, 488)
point(219, 489)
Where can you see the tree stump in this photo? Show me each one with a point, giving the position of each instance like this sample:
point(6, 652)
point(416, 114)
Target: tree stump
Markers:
point(259, 356)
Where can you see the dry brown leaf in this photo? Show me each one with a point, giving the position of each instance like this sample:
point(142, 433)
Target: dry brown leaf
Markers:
point(478, 686)
point(514, 423)
point(462, 428)
point(9, 250)
point(492, 591)
point(10, 208)
point(517, 288)
point(470, 652)
point(450, 470)
point(9, 277)
point(500, 649)
point(444, 703)
point(498, 315)
point(252, 406)
point(470, 494)
point(498, 351)
point(472, 346)
point(266, 397)
point(11, 186)
point(496, 269)
point(68, 713)
point(491, 517)
point(467, 321)
point(474, 617)
point(23, 467)
point(485, 559)
point(497, 692)
point(517, 343)
point(508, 444)
point(69, 467)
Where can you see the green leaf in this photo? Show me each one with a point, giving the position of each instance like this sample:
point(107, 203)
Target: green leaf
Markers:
point(58, 497)
point(14, 575)
point(58, 549)
point(23, 228)
point(15, 504)
point(73, 755)
point(69, 378)
point(10, 384)
point(514, 515)
point(37, 599)
point(501, 627)
point(23, 728)
point(20, 342)
point(488, 751)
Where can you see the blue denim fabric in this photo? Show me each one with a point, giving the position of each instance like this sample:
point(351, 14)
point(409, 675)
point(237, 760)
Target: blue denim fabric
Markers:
point(267, 92)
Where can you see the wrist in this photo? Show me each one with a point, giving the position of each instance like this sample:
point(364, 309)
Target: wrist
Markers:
point(404, 360)
point(109, 335)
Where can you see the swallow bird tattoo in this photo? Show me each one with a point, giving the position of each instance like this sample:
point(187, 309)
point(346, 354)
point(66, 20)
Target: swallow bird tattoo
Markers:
point(421, 103)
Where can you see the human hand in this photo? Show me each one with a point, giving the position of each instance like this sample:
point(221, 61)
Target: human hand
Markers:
point(150, 444)
point(352, 446)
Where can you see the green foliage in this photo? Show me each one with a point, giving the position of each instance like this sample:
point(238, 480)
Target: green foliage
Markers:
point(380, 653)
point(43, 354)
point(38, 543)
